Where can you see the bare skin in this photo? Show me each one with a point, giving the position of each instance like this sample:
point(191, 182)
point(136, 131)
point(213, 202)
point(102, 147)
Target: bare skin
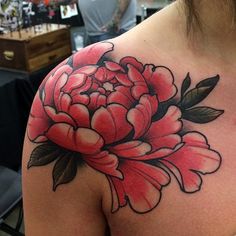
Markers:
point(83, 206)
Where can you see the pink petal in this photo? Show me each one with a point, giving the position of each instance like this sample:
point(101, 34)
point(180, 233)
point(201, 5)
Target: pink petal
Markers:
point(96, 100)
point(113, 66)
point(95, 86)
point(141, 186)
point(38, 122)
point(76, 80)
point(57, 93)
point(140, 85)
point(65, 102)
point(132, 61)
point(104, 162)
point(83, 87)
point(81, 98)
point(87, 70)
point(91, 54)
point(123, 79)
point(59, 117)
point(153, 102)
point(40, 139)
point(140, 116)
point(117, 194)
point(101, 74)
point(122, 96)
point(162, 133)
point(80, 115)
point(60, 74)
point(101, 90)
point(161, 80)
point(110, 75)
point(194, 158)
point(111, 123)
point(82, 140)
point(131, 149)
point(196, 139)
point(159, 154)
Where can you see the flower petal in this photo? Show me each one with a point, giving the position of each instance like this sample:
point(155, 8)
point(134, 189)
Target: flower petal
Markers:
point(80, 115)
point(162, 133)
point(76, 80)
point(141, 186)
point(57, 94)
point(111, 123)
point(131, 149)
point(91, 54)
point(81, 99)
point(38, 122)
point(132, 61)
point(160, 80)
point(97, 100)
point(140, 116)
point(87, 70)
point(65, 102)
point(140, 85)
point(60, 74)
point(113, 66)
point(122, 96)
point(83, 140)
point(59, 117)
point(104, 162)
point(194, 158)
point(101, 74)
point(123, 79)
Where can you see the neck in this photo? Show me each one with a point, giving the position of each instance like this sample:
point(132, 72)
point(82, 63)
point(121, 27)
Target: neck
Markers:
point(216, 18)
point(216, 32)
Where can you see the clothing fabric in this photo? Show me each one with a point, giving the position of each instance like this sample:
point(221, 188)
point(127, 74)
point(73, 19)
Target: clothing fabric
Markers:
point(98, 13)
point(98, 38)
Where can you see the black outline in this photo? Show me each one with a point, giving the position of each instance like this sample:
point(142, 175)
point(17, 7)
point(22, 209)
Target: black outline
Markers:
point(65, 180)
point(207, 84)
point(186, 116)
point(196, 172)
point(127, 198)
point(185, 85)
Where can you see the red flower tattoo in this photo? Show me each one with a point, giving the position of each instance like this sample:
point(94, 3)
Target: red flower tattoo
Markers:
point(124, 120)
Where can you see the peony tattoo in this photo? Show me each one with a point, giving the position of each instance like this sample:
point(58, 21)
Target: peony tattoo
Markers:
point(125, 120)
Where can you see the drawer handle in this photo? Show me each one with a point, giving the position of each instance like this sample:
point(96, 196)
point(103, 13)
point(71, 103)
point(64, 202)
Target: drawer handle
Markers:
point(52, 57)
point(9, 55)
point(50, 43)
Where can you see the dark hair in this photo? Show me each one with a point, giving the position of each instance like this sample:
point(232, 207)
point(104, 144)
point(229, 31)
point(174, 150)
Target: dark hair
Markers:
point(193, 19)
point(191, 14)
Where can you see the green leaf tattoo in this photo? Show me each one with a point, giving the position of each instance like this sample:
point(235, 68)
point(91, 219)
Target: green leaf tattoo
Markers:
point(201, 115)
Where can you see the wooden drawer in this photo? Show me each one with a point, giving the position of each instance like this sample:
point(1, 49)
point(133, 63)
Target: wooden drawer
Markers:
point(48, 58)
point(39, 45)
point(31, 51)
point(12, 54)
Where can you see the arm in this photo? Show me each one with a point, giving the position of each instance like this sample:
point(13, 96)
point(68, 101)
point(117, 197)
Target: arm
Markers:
point(122, 6)
point(73, 209)
point(62, 193)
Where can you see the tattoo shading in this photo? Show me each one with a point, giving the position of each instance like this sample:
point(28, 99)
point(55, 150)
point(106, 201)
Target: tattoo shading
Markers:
point(126, 121)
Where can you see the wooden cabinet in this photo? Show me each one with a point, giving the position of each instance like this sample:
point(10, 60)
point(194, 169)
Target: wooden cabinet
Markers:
point(30, 51)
